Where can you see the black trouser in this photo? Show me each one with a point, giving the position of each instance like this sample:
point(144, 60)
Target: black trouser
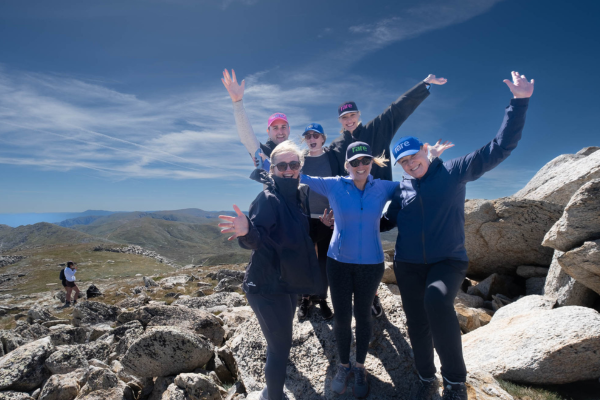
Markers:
point(345, 280)
point(322, 238)
point(275, 314)
point(428, 292)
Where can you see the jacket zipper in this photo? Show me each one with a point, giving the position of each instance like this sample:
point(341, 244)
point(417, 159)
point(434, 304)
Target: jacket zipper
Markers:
point(422, 220)
point(360, 225)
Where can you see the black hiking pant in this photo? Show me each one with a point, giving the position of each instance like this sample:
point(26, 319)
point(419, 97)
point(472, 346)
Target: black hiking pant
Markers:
point(428, 292)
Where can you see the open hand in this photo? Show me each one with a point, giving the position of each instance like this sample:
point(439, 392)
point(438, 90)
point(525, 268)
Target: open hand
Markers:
point(520, 87)
point(238, 225)
point(327, 218)
point(437, 149)
point(432, 80)
point(235, 90)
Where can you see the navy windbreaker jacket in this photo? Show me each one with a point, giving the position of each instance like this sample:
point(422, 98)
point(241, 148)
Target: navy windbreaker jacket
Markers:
point(283, 256)
point(430, 211)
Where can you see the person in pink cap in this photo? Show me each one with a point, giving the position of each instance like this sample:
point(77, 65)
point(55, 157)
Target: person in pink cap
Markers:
point(278, 127)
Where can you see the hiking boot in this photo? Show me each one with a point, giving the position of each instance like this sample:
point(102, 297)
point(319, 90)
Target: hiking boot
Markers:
point(455, 391)
point(67, 304)
point(340, 380)
point(326, 312)
point(427, 389)
point(360, 390)
point(304, 307)
point(376, 309)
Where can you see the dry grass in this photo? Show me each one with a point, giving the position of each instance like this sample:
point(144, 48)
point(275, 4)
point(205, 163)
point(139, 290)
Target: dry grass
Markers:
point(529, 393)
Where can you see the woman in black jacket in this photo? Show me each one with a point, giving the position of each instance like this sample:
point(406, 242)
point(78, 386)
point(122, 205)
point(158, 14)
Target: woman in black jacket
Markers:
point(283, 263)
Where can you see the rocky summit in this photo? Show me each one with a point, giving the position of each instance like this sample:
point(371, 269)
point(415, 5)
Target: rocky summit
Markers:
point(528, 312)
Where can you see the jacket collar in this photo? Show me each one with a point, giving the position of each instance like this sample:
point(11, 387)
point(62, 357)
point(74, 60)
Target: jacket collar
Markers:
point(435, 163)
point(288, 188)
point(347, 180)
point(357, 131)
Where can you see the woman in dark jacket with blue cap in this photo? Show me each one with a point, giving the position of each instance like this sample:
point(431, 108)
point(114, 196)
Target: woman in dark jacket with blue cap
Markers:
point(431, 260)
point(283, 263)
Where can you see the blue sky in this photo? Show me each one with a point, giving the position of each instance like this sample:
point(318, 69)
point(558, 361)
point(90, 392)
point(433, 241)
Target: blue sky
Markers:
point(118, 105)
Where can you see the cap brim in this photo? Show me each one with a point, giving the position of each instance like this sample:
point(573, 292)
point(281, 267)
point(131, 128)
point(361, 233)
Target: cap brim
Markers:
point(357, 156)
point(406, 153)
point(347, 112)
point(312, 130)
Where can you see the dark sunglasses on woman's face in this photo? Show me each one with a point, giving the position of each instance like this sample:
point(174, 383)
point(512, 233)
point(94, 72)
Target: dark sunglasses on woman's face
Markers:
point(282, 166)
point(364, 161)
point(312, 135)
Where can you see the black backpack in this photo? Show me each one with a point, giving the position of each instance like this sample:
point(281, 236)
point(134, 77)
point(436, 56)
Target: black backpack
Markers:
point(62, 276)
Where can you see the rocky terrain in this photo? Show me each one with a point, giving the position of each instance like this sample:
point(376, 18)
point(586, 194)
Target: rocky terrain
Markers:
point(528, 312)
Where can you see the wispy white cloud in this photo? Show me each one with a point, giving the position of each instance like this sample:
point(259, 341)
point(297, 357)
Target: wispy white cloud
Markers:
point(65, 123)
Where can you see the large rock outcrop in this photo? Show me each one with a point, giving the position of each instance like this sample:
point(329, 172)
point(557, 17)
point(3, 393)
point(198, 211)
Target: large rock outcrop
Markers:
point(164, 351)
point(583, 264)
point(195, 320)
point(24, 368)
point(502, 234)
point(94, 312)
point(566, 290)
point(538, 347)
point(580, 221)
point(228, 299)
point(559, 179)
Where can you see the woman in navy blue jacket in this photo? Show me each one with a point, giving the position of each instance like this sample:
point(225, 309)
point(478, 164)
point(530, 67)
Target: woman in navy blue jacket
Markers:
point(283, 263)
point(431, 260)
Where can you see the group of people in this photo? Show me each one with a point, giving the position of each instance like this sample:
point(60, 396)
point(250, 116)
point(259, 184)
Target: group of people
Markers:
point(348, 183)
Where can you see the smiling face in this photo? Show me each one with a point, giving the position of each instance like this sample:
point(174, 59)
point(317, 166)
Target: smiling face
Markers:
point(287, 158)
point(350, 121)
point(415, 165)
point(361, 172)
point(279, 131)
point(314, 144)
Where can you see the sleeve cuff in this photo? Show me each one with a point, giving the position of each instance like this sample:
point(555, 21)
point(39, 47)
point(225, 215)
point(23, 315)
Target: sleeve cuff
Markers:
point(519, 102)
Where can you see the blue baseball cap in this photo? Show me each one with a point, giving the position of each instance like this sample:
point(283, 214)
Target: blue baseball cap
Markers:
point(314, 127)
point(406, 146)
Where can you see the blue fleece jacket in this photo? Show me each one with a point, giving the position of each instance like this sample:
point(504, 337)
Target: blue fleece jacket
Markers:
point(357, 216)
point(430, 211)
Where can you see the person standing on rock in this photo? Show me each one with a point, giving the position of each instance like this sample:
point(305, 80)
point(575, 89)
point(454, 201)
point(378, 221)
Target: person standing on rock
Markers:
point(69, 283)
point(283, 263)
point(430, 260)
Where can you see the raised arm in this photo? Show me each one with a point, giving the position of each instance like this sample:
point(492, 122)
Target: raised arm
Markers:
point(388, 122)
point(245, 131)
point(474, 165)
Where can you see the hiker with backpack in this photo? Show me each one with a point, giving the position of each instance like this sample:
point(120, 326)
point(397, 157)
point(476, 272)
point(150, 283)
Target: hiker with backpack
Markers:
point(67, 276)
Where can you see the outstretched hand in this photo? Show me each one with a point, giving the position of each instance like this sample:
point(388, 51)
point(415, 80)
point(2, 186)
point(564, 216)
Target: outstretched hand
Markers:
point(431, 79)
point(327, 218)
point(437, 149)
point(236, 91)
point(238, 225)
point(520, 87)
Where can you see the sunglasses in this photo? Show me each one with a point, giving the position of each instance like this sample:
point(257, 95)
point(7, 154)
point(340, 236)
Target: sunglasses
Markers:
point(365, 161)
point(312, 135)
point(283, 166)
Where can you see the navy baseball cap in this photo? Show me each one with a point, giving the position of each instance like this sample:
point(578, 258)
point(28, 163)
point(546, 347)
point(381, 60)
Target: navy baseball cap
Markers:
point(358, 149)
point(314, 127)
point(347, 107)
point(406, 146)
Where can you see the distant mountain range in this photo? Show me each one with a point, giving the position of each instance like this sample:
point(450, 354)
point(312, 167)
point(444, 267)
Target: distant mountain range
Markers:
point(185, 236)
point(39, 235)
point(15, 220)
